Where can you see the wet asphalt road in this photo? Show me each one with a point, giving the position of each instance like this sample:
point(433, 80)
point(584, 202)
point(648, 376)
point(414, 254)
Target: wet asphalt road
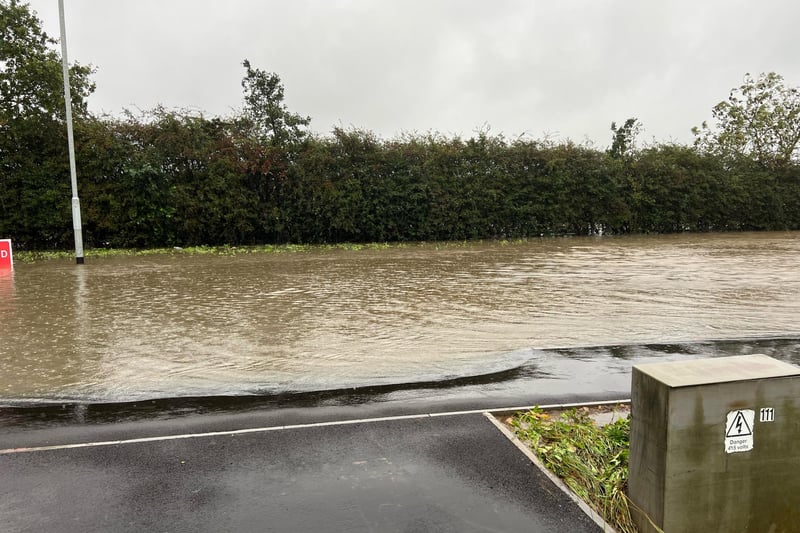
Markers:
point(444, 473)
point(450, 473)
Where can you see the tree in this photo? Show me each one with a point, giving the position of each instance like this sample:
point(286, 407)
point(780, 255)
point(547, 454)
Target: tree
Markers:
point(31, 80)
point(760, 120)
point(34, 185)
point(264, 108)
point(623, 141)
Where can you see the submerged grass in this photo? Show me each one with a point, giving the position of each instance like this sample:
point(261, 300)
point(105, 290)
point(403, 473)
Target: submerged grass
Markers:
point(34, 256)
point(226, 250)
point(592, 461)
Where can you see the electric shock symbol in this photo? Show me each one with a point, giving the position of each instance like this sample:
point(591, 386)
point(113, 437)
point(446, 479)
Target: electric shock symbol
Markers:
point(739, 426)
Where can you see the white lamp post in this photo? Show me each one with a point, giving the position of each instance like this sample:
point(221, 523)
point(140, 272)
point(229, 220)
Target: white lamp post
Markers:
point(76, 203)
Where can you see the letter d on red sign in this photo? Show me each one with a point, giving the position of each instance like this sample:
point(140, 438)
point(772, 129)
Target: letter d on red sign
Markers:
point(6, 257)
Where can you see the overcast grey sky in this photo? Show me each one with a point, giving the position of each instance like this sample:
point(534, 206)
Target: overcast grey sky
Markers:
point(564, 69)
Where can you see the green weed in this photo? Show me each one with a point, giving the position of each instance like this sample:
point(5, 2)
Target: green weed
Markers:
point(592, 461)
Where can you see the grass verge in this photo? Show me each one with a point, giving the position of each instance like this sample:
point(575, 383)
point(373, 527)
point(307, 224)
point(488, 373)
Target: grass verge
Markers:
point(35, 256)
point(591, 460)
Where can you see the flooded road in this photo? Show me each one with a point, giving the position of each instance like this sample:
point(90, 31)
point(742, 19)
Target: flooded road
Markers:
point(130, 328)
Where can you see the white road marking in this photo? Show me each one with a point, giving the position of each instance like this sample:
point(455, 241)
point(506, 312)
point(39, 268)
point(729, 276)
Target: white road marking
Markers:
point(234, 432)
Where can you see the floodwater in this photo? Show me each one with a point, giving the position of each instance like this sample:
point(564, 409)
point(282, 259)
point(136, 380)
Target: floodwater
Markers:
point(129, 328)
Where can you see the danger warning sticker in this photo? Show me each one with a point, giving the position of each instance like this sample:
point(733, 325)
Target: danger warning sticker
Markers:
point(739, 431)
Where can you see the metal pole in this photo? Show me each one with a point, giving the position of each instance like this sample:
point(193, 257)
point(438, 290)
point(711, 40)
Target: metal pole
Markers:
point(76, 203)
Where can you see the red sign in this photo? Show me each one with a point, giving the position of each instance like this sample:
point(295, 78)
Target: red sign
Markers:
point(6, 259)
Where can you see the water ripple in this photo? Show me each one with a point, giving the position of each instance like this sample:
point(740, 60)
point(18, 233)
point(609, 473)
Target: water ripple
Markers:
point(183, 325)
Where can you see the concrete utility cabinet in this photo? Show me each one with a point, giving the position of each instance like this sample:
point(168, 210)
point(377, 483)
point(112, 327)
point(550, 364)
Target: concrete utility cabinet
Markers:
point(715, 445)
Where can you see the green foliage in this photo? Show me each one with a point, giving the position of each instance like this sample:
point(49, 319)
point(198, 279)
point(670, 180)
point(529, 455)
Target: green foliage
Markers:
point(760, 120)
point(592, 461)
point(169, 178)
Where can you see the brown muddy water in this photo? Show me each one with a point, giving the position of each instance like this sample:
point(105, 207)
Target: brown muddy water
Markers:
point(129, 328)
